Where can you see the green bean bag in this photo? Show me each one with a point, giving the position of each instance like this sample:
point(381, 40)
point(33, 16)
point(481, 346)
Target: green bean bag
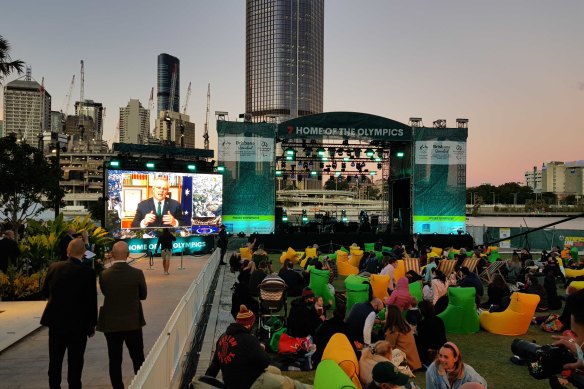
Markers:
point(387, 249)
point(379, 256)
point(357, 290)
point(319, 285)
point(494, 256)
point(344, 249)
point(574, 253)
point(416, 290)
point(369, 246)
point(460, 317)
point(330, 376)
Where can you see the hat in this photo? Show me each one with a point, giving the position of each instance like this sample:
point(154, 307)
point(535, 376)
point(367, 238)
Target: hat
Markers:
point(307, 293)
point(245, 317)
point(387, 373)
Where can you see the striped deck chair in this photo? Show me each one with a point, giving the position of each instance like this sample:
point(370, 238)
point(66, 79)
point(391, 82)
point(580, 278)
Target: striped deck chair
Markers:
point(412, 264)
point(492, 269)
point(471, 264)
point(447, 266)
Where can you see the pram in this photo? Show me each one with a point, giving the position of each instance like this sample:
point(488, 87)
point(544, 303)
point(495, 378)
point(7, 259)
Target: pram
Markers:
point(272, 297)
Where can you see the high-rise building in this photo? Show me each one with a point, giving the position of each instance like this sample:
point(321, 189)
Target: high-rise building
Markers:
point(175, 128)
point(91, 110)
point(168, 67)
point(134, 123)
point(27, 109)
point(284, 58)
point(57, 121)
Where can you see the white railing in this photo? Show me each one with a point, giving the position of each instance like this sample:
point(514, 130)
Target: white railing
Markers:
point(162, 364)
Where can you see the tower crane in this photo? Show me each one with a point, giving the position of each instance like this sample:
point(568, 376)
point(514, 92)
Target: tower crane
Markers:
point(65, 109)
point(187, 99)
point(206, 134)
point(81, 123)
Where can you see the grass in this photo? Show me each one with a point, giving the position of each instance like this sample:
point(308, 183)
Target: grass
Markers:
point(488, 353)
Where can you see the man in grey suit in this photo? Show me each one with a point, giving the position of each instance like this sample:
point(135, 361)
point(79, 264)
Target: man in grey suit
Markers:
point(121, 317)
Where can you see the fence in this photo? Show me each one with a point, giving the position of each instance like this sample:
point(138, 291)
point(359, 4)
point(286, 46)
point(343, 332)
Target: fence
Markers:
point(162, 364)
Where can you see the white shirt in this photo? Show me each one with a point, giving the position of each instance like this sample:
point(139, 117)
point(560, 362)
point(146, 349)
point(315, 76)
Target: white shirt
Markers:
point(389, 270)
point(368, 327)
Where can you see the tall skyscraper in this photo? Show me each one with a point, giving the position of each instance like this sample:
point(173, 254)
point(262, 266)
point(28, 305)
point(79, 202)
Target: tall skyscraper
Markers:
point(284, 58)
point(134, 123)
point(94, 111)
point(167, 67)
point(27, 109)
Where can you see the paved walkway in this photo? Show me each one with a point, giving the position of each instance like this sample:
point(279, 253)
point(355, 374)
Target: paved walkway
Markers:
point(24, 354)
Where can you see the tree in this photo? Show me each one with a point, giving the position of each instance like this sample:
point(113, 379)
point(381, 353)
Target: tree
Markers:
point(27, 180)
point(7, 65)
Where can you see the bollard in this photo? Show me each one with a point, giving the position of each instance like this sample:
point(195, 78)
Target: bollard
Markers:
point(151, 259)
point(182, 254)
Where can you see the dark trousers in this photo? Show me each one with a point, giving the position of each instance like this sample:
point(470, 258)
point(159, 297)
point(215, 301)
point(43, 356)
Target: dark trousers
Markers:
point(74, 343)
point(115, 343)
point(222, 252)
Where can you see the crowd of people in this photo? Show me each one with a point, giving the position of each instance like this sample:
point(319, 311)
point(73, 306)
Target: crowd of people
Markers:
point(409, 338)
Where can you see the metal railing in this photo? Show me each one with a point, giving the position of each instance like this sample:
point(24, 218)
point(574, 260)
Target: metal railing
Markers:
point(162, 364)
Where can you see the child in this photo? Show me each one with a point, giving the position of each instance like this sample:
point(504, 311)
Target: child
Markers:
point(320, 308)
point(413, 315)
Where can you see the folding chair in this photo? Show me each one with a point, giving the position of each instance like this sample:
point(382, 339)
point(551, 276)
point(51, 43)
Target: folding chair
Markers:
point(447, 266)
point(471, 264)
point(492, 269)
point(412, 264)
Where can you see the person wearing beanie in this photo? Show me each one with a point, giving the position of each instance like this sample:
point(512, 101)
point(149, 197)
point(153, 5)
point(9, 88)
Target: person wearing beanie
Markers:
point(386, 376)
point(239, 354)
point(303, 319)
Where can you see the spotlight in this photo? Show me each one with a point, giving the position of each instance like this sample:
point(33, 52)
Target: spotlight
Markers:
point(400, 154)
point(369, 153)
point(320, 152)
point(284, 216)
point(304, 216)
point(278, 173)
point(352, 164)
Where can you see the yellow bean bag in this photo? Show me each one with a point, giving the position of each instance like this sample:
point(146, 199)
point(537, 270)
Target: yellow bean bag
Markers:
point(339, 349)
point(310, 252)
point(355, 258)
point(345, 268)
point(578, 285)
point(400, 270)
point(342, 255)
point(353, 248)
point(437, 251)
point(515, 320)
point(379, 285)
point(573, 273)
point(290, 254)
point(245, 253)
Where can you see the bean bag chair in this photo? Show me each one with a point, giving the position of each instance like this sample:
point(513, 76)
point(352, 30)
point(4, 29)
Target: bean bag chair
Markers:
point(578, 285)
point(345, 268)
point(386, 249)
point(493, 256)
point(319, 285)
point(400, 270)
point(416, 290)
point(573, 273)
point(379, 285)
point(357, 291)
point(245, 253)
point(310, 252)
point(513, 321)
point(342, 255)
point(330, 376)
point(355, 258)
point(460, 316)
point(452, 253)
point(290, 254)
point(339, 350)
point(353, 248)
point(437, 251)
point(344, 249)
point(369, 246)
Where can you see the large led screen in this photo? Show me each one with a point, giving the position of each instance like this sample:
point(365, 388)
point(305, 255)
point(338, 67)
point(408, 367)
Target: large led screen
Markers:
point(143, 201)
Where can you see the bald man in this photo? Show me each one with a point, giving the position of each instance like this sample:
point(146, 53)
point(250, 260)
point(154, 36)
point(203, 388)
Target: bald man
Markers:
point(121, 317)
point(159, 210)
point(70, 314)
point(361, 319)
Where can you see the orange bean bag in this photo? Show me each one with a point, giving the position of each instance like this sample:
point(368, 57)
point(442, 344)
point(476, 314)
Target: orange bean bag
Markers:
point(379, 285)
point(245, 253)
point(513, 321)
point(339, 349)
point(290, 254)
point(400, 270)
point(355, 258)
point(345, 268)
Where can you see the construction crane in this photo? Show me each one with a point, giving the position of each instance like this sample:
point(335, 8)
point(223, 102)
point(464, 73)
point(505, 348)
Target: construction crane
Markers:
point(187, 100)
point(152, 133)
point(67, 102)
point(206, 134)
point(81, 122)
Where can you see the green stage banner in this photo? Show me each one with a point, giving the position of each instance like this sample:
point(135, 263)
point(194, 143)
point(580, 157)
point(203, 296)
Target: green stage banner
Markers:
point(439, 180)
point(247, 153)
point(194, 244)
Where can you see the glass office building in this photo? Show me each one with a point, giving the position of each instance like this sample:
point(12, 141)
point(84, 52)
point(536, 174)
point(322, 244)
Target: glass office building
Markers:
point(167, 64)
point(284, 58)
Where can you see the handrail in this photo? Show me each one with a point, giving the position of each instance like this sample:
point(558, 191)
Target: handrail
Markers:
point(162, 364)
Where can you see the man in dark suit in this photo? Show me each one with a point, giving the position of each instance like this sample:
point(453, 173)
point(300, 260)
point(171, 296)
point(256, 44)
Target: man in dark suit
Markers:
point(9, 251)
point(121, 317)
point(159, 210)
point(70, 314)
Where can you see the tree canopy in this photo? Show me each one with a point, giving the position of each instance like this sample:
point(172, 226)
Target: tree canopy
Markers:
point(27, 181)
point(7, 65)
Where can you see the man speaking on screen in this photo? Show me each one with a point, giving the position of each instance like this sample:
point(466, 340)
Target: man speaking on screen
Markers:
point(159, 210)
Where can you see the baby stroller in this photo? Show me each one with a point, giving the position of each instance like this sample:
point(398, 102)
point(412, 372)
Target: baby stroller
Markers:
point(272, 296)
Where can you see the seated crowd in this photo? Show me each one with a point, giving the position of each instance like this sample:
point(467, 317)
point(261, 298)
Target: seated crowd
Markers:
point(394, 336)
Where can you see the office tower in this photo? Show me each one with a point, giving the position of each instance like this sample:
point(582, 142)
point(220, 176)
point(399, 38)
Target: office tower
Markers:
point(175, 128)
point(90, 111)
point(284, 58)
point(168, 66)
point(57, 121)
point(27, 109)
point(134, 123)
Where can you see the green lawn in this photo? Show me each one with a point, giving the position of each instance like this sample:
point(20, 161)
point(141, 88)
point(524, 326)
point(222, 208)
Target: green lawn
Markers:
point(488, 353)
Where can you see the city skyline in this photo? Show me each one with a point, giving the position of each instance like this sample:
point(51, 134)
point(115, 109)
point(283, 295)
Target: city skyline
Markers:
point(513, 69)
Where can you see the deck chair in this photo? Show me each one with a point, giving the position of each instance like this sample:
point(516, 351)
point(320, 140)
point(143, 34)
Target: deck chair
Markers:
point(447, 266)
point(412, 264)
point(492, 269)
point(471, 264)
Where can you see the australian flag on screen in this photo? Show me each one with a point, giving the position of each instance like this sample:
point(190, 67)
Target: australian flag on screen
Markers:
point(187, 200)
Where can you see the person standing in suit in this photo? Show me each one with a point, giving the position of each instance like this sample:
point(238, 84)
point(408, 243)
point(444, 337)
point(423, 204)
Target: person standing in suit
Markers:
point(159, 210)
point(70, 314)
point(222, 241)
point(121, 317)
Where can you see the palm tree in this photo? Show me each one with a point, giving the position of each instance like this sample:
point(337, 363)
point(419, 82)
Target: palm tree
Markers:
point(8, 66)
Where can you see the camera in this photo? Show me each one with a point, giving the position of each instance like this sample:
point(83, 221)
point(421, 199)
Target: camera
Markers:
point(542, 361)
